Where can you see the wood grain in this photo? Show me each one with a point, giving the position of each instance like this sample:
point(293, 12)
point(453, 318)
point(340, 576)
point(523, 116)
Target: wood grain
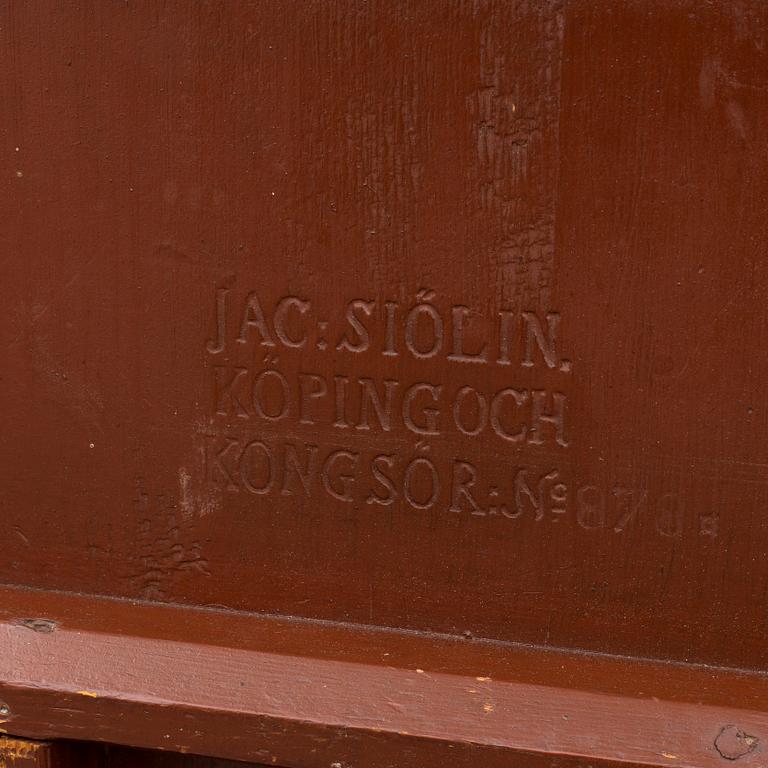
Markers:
point(300, 709)
point(383, 383)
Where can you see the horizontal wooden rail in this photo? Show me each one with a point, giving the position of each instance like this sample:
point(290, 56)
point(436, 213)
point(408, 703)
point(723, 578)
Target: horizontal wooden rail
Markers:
point(309, 694)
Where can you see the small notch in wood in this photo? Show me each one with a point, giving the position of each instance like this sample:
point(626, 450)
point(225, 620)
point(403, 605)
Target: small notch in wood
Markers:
point(44, 626)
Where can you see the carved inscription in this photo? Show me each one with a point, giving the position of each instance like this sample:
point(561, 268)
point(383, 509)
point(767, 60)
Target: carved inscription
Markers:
point(298, 430)
point(266, 467)
point(536, 416)
point(421, 331)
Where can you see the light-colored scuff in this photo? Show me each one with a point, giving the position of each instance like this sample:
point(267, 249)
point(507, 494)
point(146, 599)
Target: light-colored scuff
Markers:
point(194, 501)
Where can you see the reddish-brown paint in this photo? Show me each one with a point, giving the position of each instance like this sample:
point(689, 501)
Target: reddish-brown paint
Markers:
point(304, 694)
point(573, 191)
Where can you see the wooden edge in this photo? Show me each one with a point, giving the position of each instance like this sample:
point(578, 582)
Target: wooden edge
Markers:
point(457, 654)
point(311, 711)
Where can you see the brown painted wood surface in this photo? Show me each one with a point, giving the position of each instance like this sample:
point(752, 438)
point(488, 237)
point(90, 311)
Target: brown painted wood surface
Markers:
point(332, 329)
point(123, 757)
point(307, 694)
